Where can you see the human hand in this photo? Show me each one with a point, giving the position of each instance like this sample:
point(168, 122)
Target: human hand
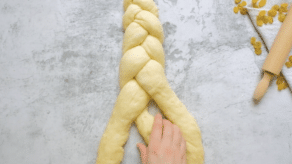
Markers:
point(168, 147)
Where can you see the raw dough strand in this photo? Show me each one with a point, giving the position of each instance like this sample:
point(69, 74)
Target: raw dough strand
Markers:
point(129, 105)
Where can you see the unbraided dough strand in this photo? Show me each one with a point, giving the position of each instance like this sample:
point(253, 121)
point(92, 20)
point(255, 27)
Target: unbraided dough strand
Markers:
point(142, 78)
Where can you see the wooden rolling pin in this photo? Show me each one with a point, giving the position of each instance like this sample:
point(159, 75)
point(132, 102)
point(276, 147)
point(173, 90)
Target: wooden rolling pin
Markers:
point(277, 56)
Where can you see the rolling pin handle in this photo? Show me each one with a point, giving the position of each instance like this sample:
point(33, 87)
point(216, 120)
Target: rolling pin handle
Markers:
point(263, 86)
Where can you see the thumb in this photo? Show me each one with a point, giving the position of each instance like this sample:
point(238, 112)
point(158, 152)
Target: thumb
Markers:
point(143, 151)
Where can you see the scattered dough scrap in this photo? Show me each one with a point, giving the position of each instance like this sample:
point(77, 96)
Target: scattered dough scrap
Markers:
point(262, 3)
point(281, 17)
point(258, 4)
point(237, 1)
point(283, 8)
point(262, 18)
point(240, 7)
point(272, 13)
point(253, 40)
point(276, 7)
point(281, 82)
point(235, 9)
point(289, 63)
point(257, 45)
point(268, 17)
point(254, 4)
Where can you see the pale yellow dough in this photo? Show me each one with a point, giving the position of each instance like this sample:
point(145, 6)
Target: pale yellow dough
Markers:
point(142, 78)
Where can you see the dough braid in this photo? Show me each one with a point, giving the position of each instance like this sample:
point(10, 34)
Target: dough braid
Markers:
point(142, 78)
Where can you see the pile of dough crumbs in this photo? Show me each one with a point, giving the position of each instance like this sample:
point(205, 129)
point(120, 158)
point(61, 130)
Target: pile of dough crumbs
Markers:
point(257, 45)
point(240, 7)
point(265, 18)
point(256, 4)
point(281, 82)
point(262, 18)
point(289, 63)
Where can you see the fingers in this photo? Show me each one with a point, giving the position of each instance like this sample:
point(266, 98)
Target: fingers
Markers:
point(167, 133)
point(183, 146)
point(177, 137)
point(143, 151)
point(180, 154)
point(184, 159)
point(167, 143)
point(183, 149)
point(155, 137)
point(167, 150)
point(157, 128)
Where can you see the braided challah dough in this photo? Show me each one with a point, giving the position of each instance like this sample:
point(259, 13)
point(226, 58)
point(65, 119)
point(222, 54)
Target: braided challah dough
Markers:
point(142, 78)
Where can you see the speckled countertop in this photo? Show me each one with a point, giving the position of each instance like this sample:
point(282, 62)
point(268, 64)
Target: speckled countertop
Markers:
point(59, 63)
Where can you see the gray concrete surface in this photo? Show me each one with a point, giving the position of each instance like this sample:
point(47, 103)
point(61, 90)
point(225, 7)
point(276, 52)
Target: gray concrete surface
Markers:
point(59, 64)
